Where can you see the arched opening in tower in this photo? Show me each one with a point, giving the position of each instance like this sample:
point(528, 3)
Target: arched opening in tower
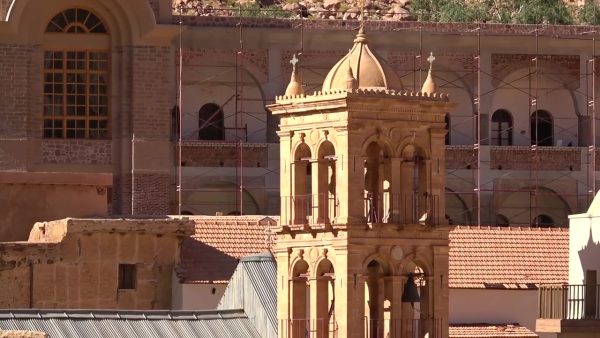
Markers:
point(302, 185)
point(377, 184)
point(299, 323)
point(325, 300)
point(327, 190)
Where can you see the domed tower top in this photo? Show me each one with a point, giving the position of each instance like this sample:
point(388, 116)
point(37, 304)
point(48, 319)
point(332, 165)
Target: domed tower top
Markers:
point(369, 69)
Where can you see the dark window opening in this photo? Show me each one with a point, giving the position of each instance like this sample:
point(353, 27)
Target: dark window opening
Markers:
point(447, 120)
point(542, 130)
point(502, 126)
point(543, 221)
point(210, 122)
point(127, 276)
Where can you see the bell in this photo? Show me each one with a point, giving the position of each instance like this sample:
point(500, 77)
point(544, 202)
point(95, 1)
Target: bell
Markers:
point(410, 293)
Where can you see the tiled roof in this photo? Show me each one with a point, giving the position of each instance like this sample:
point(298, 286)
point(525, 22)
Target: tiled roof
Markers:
point(211, 254)
point(490, 331)
point(508, 257)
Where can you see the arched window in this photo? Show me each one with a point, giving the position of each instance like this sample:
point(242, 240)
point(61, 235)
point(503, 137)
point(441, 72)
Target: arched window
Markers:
point(502, 126)
point(76, 80)
point(210, 122)
point(542, 129)
point(75, 20)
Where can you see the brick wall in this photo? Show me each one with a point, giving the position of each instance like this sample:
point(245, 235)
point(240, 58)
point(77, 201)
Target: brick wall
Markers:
point(73, 263)
point(255, 58)
point(152, 91)
point(545, 158)
point(76, 151)
point(565, 67)
point(151, 194)
point(461, 157)
point(220, 154)
point(152, 100)
point(15, 66)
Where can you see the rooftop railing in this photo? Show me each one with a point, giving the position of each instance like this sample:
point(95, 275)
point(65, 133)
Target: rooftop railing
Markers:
point(572, 302)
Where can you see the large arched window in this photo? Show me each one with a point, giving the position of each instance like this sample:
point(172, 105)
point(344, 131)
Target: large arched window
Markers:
point(76, 80)
point(502, 126)
point(210, 122)
point(542, 129)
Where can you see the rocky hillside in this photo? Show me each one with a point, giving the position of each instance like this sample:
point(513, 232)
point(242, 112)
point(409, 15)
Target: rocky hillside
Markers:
point(499, 11)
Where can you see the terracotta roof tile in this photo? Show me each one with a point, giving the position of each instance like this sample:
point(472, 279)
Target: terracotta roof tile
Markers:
point(486, 257)
point(212, 253)
point(490, 331)
point(508, 257)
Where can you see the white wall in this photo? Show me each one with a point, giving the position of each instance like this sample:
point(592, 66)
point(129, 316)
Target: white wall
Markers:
point(584, 243)
point(196, 296)
point(493, 306)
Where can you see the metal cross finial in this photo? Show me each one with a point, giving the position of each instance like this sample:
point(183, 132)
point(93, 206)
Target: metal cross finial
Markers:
point(294, 61)
point(361, 4)
point(430, 59)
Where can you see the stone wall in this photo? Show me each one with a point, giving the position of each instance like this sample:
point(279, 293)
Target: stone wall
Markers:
point(545, 158)
point(74, 263)
point(222, 154)
point(461, 157)
point(76, 151)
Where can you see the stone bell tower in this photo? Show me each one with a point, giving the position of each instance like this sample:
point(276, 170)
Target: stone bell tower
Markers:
point(362, 246)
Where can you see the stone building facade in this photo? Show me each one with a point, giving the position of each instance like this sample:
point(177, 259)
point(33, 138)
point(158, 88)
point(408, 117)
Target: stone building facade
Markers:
point(343, 269)
point(119, 155)
point(93, 264)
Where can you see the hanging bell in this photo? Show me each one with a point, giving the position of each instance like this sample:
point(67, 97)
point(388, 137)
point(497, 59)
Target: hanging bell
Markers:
point(411, 292)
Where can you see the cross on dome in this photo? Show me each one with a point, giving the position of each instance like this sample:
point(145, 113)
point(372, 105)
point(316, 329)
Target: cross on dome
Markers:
point(294, 61)
point(361, 4)
point(430, 59)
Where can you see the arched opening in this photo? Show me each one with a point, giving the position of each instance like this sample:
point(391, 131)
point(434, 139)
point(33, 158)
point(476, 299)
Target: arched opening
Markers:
point(416, 320)
point(374, 300)
point(416, 201)
point(302, 185)
point(327, 190)
point(377, 184)
point(502, 220)
point(210, 122)
point(76, 79)
point(325, 299)
point(299, 326)
point(543, 221)
point(524, 205)
point(502, 127)
point(457, 211)
point(542, 128)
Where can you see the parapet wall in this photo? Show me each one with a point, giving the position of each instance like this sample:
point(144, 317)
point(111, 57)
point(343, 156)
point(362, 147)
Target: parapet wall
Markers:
point(74, 263)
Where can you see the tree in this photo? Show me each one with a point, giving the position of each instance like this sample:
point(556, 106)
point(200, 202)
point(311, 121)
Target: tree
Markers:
point(589, 13)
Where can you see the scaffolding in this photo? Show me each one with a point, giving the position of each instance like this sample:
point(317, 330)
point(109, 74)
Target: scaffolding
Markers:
point(482, 184)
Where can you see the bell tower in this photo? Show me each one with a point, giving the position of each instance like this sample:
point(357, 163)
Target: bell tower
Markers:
point(362, 244)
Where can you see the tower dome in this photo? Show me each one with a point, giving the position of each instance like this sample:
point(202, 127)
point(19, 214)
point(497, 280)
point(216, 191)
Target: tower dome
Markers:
point(369, 69)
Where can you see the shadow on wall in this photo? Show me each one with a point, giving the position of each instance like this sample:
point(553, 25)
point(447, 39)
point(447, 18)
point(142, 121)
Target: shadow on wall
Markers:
point(204, 263)
point(589, 255)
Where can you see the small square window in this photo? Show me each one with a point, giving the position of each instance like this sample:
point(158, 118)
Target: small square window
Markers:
point(127, 276)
